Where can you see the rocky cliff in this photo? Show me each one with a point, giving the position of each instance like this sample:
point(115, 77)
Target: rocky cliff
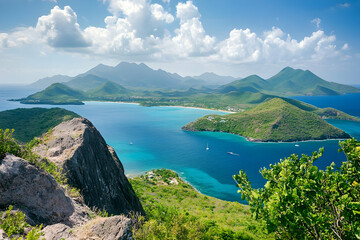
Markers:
point(38, 194)
point(90, 165)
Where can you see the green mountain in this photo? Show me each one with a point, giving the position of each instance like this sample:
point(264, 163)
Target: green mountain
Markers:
point(46, 82)
point(251, 83)
point(57, 93)
point(273, 121)
point(107, 90)
point(86, 82)
point(289, 82)
point(33, 122)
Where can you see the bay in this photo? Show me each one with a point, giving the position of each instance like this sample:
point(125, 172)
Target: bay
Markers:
point(159, 142)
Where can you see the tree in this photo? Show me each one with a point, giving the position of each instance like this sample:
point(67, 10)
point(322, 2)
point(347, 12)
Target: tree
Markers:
point(299, 201)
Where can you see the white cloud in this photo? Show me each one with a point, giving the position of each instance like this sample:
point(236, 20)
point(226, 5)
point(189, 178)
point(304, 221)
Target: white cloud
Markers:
point(317, 22)
point(137, 29)
point(159, 13)
point(344, 5)
point(60, 29)
point(345, 47)
point(187, 11)
point(241, 46)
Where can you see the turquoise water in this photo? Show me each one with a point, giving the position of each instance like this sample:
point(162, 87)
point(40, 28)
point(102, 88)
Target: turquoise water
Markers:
point(159, 142)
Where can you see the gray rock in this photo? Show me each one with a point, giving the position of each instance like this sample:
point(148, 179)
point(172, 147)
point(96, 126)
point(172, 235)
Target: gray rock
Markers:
point(56, 232)
point(91, 166)
point(112, 228)
point(37, 194)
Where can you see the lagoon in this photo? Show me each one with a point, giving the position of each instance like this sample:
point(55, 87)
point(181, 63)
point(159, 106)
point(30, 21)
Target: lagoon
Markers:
point(159, 142)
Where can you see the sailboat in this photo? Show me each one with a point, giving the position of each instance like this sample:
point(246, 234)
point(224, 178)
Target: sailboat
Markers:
point(207, 147)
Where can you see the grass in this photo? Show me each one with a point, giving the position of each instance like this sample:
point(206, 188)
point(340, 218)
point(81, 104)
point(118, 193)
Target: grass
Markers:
point(175, 210)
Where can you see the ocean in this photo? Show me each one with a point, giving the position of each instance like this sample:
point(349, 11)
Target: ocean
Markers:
point(151, 137)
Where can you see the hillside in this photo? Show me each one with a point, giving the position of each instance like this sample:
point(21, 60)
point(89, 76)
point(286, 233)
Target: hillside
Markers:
point(289, 82)
point(175, 210)
point(33, 122)
point(57, 93)
point(86, 82)
point(272, 121)
point(107, 90)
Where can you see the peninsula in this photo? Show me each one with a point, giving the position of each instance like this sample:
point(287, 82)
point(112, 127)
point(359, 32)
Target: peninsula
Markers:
point(273, 121)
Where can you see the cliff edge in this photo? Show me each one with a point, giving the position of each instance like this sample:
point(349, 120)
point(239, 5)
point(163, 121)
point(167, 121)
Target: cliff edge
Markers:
point(90, 165)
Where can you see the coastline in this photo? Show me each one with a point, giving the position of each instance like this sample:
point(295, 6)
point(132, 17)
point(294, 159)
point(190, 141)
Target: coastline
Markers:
point(178, 106)
point(249, 139)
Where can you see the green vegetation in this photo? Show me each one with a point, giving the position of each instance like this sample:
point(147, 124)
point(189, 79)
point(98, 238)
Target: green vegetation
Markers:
point(299, 201)
point(289, 82)
point(175, 210)
point(275, 120)
point(13, 223)
point(30, 123)
point(55, 94)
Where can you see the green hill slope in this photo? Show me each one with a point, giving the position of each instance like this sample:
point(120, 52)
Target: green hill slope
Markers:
point(292, 82)
point(86, 82)
point(107, 90)
point(274, 120)
point(175, 210)
point(251, 83)
point(33, 122)
point(57, 93)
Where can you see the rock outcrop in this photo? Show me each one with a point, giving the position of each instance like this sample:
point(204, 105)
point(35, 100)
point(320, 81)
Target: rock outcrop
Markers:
point(37, 194)
point(111, 228)
point(91, 166)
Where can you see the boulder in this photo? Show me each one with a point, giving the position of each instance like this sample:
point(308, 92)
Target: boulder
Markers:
point(37, 194)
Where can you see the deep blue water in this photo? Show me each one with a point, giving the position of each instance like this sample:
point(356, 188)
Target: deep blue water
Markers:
point(159, 142)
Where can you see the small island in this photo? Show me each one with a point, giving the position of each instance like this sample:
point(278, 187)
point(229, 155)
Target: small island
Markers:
point(276, 120)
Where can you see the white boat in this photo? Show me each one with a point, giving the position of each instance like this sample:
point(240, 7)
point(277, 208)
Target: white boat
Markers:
point(131, 143)
point(231, 153)
point(207, 147)
point(297, 145)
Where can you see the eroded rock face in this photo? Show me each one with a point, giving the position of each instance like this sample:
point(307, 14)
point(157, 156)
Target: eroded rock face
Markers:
point(91, 166)
point(37, 194)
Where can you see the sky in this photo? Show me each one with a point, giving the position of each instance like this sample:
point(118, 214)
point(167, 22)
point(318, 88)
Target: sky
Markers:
point(42, 38)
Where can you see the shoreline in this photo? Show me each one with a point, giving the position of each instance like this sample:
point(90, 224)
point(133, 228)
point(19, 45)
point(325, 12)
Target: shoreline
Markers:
point(182, 179)
point(248, 139)
point(178, 106)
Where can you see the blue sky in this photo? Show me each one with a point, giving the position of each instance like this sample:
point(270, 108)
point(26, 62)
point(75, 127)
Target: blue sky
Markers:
point(40, 38)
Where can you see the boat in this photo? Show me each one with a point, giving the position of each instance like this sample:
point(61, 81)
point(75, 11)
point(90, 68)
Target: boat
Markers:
point(297, 145)
point(231, 153)
point(131, 143)
point(207, 147)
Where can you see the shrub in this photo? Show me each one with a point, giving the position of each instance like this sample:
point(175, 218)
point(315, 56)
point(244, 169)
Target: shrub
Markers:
point(299, 201)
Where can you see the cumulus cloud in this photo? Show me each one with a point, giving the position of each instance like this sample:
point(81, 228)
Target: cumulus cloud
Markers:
point(60, 29)
point(139, 29)
point(187, 11)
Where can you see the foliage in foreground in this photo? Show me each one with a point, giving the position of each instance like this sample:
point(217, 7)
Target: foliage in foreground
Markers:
point(13, 223)
point(175, 210)
point(299, 201)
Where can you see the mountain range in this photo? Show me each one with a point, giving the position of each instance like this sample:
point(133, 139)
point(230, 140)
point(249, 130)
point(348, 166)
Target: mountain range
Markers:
point(289, 82)
point(134, 76)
